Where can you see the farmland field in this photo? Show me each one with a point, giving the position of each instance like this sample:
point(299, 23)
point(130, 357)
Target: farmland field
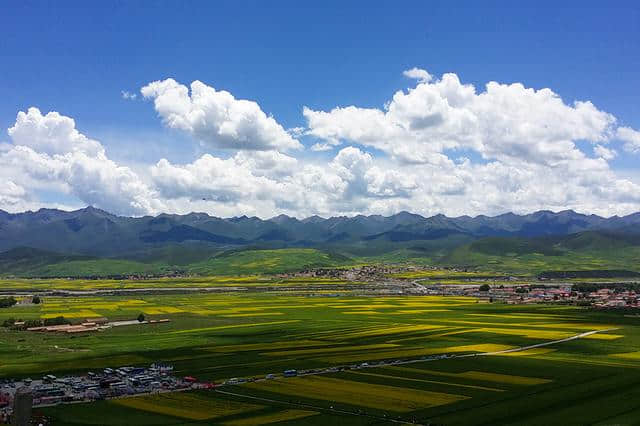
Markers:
point(217, 336)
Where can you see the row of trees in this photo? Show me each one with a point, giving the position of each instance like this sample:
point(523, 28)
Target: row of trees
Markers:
point(11, 322)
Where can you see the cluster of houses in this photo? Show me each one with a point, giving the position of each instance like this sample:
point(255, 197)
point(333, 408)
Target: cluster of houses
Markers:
point(90, 325)
point(108, 383)
point(608, 298)
point(357, 273)
point(565, 293)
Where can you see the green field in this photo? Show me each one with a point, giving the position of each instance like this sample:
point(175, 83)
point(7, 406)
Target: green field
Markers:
point(29, 263)
point(217, 336)
point(491, 256)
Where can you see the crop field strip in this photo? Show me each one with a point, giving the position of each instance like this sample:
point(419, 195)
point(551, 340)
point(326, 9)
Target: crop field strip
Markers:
point(206, 339)
point(261, 419)
point(441, 383)
point(357, 393)
point(186, 405)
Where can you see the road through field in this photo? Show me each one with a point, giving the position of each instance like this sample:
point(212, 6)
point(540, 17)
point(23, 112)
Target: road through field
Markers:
point(539, 345)
point(317, 408)
point(396, 362)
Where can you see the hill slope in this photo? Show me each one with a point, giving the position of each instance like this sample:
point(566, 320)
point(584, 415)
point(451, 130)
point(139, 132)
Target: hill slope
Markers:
point(590, 250)
point(94, 232)
point(93, 242)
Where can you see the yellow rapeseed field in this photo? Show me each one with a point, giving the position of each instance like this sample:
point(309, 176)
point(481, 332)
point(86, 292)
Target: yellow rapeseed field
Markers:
point(224, 327)
point(628, 355)
point(358, 393)
point(263, 419)
point(186, 405)
point(387, 331)
point(331, 350)
point(477, 375)
point(267, 346)
point(75, 314)
point(253, 314)
point(601, 336)
point(529, 352)
point(411, 379)
point(409, 353)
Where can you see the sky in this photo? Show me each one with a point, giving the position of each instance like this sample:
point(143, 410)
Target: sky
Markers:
point(266, 108)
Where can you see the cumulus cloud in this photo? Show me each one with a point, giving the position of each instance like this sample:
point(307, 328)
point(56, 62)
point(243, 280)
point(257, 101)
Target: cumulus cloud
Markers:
point(319, 147)
point(51, 134)
point(49, 152)
point(418, 74)
point(210, 178)
point(440, 147)
point(216, 117)
point(630, 137)
point(604, 152)
point(508, 122)
point(11, 194)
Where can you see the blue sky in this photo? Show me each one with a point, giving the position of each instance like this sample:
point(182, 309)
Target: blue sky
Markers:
point(76, 58)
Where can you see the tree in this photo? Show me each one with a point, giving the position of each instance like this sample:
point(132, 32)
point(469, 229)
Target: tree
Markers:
point(7, 302)
point(485, 287)
point(60, 320)
point(32, 323)
point(141, 317)
point(35, 300)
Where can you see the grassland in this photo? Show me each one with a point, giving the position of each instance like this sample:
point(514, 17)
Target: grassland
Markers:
point(536, 262)
point(215, 336)
point(492, 257)
point(28, 263)
point(221, 335)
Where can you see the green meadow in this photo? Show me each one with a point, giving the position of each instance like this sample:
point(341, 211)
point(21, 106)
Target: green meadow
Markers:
point(218, 336)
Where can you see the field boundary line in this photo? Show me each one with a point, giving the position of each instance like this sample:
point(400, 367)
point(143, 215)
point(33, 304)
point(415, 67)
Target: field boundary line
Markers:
point(315, 407)
point(539, 345)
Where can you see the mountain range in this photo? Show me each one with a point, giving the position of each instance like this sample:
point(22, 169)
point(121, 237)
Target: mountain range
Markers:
point(55, 236)
point(94, 232)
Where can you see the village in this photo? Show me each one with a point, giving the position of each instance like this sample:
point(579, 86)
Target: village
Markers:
point(18, 396)
point(567, 293)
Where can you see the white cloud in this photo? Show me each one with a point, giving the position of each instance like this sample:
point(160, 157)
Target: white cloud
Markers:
point(208, 178)
point(319, 147)
point(630, 137)
point(507, 122)
point(268, 163)
point(605, 153)
point(51, 134)
point(11, 194)
point(418, 74)
point(217, 118)
point(440, 147)
point(128, 95)
point(49, 153)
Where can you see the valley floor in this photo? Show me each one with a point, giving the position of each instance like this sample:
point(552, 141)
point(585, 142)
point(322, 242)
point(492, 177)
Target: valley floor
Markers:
point(218, 336)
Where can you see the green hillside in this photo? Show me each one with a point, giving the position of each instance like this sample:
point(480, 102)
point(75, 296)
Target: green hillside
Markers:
point(267, 261)
point(593, 250)
point(38, 263)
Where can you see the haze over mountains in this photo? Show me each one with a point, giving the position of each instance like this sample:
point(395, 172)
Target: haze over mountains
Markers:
point(94, 232)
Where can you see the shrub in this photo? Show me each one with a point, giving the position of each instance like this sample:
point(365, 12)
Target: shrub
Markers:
point(7, 302)
point(56, 321)
point(9, 322)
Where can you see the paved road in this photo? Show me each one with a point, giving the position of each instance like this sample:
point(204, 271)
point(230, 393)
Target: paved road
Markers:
point(387, 363)
point(539, 345)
